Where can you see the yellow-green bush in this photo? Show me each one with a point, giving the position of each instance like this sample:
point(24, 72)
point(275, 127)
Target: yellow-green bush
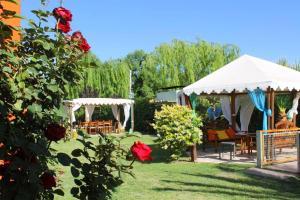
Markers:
point(177, 128)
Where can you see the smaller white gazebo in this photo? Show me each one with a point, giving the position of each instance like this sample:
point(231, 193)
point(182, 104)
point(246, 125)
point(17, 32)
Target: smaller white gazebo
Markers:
point(90, 104)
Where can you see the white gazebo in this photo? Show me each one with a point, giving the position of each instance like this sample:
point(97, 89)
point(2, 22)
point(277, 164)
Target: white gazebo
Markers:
point(234, 81)
point(91, 103)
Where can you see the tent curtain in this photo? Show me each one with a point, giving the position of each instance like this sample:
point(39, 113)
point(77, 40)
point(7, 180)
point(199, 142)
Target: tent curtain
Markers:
point(225, 106)
point(126, 108)
point(71, 111)
point(294, 108)
point(115, 111)
point(246, 110)
point(89, 109)
point(258, 98)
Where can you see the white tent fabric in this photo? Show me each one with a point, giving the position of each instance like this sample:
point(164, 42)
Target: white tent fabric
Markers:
point(73, 109)
point(226, 110)
point(126, 108)
point(246, 109)
point(247, 73)
point(116, 112)
point(294, 108)
point(89, 109)
point(225, 105)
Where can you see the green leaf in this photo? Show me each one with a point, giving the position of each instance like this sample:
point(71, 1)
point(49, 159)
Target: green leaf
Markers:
point(53, 88)
point(7, 69)
point(74, 172)
point(59, 192)
point(64, 159)
point(35, 108)
point(76, 152)
point(18, 105)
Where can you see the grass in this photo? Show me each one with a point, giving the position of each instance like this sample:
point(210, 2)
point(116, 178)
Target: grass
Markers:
point(180, 180)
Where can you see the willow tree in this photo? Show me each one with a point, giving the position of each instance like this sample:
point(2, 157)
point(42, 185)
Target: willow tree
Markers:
point(108, 79)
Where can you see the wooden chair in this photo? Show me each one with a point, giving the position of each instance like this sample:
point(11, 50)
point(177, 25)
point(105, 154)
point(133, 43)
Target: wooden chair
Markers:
point(92, 128)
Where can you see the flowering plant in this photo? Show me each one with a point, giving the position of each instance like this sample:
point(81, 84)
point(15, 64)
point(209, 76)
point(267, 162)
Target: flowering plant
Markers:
point(34, 73)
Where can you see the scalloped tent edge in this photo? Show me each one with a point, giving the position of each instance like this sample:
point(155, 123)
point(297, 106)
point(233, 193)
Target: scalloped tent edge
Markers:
point(244, 74)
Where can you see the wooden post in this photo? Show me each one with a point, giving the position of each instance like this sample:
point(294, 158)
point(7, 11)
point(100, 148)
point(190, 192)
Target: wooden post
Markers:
point(132, 118)
point(272, 108)
point(298, 151)
point(232, 107)
point(259, 148)
point(269, 106)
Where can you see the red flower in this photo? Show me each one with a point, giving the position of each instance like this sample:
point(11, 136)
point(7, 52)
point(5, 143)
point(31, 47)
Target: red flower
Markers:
point(76, 36)
point(55, 132)
point(62, 13)
point(82, 43)
point(64, 26)
point(48, 180)
point(84, 46)
point(141, 151)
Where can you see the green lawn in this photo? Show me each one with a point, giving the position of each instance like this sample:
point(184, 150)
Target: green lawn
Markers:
point(159, 180)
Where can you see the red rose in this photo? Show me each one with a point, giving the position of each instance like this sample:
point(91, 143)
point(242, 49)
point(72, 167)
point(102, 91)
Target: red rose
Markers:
point(64, 26)
point(141, 151)
point(84, 46)
point(48, 180)
point(62, 13)
point(76, 36)
point(82, 43)
point(55, 132)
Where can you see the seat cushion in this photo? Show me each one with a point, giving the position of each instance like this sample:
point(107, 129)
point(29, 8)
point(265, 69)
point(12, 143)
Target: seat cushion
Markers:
point(212, 135)
point(231, 133)
point(222, 135)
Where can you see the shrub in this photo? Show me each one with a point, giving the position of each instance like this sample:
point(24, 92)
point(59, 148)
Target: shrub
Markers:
point(177, 128)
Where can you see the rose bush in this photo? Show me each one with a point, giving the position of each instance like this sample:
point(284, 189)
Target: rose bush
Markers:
point(34, 73)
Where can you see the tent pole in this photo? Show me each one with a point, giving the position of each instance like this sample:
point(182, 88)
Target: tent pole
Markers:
point(132, 118)
point(269, 106)
point(232, 107)
point(272, 108)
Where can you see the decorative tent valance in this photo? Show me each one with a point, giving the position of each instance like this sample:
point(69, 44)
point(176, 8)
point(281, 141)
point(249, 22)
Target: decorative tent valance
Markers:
point(99, 101)
point(245, 74)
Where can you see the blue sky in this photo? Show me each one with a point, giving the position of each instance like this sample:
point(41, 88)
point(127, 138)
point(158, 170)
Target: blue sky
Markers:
point(268, 29)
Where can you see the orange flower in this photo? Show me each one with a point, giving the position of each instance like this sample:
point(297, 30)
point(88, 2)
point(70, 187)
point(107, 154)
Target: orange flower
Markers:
point(10, 117)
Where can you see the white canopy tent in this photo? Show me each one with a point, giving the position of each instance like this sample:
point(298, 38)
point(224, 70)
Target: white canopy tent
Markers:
point(244, 74)
point(91, 103)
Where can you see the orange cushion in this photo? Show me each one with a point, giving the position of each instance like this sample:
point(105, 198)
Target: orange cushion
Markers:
point(222, 135)
point(212, 135)
point(230, 132)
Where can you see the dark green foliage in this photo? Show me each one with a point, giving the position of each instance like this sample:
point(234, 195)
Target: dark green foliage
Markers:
point(97, 168)
point(33, 76)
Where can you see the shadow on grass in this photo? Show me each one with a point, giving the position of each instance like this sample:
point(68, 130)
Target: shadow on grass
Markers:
point(243, 187)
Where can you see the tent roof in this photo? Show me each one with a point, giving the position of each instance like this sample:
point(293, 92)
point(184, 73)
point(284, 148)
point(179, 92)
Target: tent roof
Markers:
point(99, 101)
point(247, 73)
